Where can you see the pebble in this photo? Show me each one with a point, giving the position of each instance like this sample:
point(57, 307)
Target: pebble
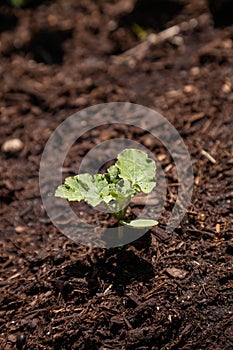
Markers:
point(80, 101)
point(106, 135)
point(176, 273)
point(20, 229)
point(227, 44)
point(201, 216)
point(12, 146)
point(112, 25)
point(173, 93)
point(177, 40)
point(189, 89)
point(226, 88)
point(148, 140)
point(218, 228)
point(195, 71)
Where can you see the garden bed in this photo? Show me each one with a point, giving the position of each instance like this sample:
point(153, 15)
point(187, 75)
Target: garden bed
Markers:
point(162, 291)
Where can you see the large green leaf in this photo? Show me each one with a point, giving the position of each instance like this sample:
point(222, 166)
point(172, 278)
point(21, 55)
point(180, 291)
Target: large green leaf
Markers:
point(135, 166)
point(84, 187)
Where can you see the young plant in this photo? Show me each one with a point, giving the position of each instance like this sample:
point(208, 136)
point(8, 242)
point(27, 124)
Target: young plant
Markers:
point(18, 3)
point(132, 173)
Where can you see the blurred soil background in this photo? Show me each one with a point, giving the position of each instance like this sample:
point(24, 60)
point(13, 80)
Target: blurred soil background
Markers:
point(162, 291)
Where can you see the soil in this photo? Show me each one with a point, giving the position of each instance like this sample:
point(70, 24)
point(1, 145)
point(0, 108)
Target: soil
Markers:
point(161, 291)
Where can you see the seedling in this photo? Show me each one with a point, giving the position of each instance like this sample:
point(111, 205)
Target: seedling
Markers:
point(132, 173)
point(18, 3)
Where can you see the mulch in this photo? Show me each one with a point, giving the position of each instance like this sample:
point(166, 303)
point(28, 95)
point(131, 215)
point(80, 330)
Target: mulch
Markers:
point(161, 291)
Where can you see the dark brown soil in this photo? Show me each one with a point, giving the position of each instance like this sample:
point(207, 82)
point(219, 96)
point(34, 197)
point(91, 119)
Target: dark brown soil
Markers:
point(162, 291)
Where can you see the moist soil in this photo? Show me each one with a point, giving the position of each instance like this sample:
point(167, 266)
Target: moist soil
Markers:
point(162, 291)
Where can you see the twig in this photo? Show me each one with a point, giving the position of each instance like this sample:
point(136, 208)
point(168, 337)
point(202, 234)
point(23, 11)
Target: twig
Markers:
point(208, 156)
point(138, 52)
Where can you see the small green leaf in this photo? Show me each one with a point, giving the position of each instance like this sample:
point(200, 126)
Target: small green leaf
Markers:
point(139, 31)
point(135, 166)
point(140, 223)
point(119, 197)
point(113, 173)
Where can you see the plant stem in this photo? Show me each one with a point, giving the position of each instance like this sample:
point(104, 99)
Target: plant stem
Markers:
point(120, 232)
point(120, 215)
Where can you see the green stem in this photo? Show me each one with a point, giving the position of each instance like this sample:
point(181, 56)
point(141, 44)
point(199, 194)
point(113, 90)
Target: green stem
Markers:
point(120, 232)
point(120, 215)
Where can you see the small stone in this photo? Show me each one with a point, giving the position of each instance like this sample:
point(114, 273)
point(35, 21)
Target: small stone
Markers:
point(226, 88)
point(148, 140)
point(227, 44)
point(197, 181)
point(218, 228)
point(173, 93)
point(107, 135)
point(201, 216)
point(189, 89)
point(20, 229)
point(195, 71)
point(193, 23)
point(53, 20)
point(177, 40)
point(112, 25)
point(176, 273)
point(80, 101)
point(12, 146)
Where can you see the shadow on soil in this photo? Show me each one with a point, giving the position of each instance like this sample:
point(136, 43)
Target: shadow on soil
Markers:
point(7, 21)
point(47, 46)
point(152, 14)
point(222, 11)
point(117, 267)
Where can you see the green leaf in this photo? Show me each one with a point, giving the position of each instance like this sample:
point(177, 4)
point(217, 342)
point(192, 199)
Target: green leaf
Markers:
point(101, 184)
point(135, 166)
point(92, 188)
point(70, 190)
point(140, 223)
point(84, 187)
point(119, 197)
point(113, 173)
